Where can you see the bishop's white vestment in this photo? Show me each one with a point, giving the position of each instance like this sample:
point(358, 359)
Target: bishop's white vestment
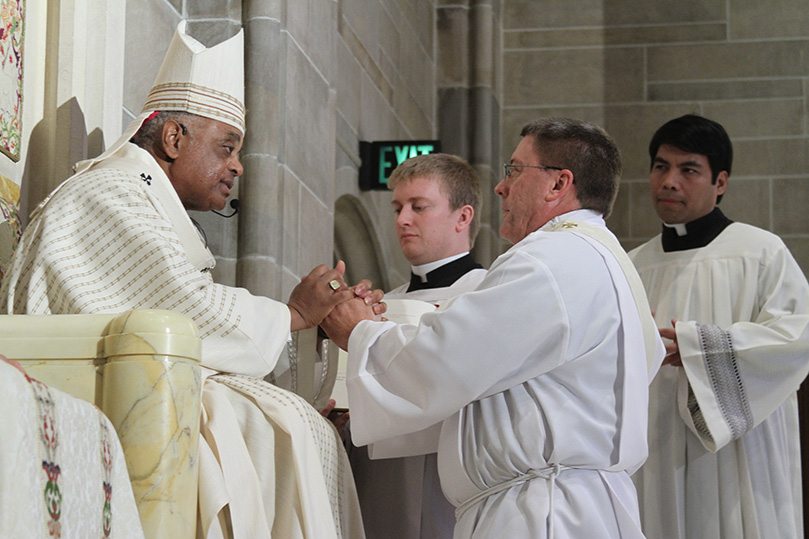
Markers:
point(399, 490)
point(540, 380)
point(724, 458)
point(116, 237)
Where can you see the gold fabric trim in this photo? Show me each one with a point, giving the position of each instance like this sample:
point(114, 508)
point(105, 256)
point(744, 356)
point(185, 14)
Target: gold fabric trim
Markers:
point(199, 100)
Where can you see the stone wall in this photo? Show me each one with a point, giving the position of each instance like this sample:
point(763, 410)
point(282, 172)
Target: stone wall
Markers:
point(632, 65)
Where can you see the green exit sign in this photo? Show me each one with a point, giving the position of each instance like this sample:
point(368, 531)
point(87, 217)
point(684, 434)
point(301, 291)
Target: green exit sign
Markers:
point(381, 157)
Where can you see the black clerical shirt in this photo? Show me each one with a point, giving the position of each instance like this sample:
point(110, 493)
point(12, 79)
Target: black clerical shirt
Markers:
point(446, 275)
point(699, 232)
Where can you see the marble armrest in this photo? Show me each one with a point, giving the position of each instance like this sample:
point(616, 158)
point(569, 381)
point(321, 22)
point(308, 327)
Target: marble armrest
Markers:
point(141, 368)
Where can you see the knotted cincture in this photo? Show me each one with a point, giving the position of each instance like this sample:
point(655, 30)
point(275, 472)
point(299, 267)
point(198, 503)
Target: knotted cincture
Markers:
point(549, 474)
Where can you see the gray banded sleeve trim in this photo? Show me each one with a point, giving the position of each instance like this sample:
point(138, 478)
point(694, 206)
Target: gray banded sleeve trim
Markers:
point(726, 381)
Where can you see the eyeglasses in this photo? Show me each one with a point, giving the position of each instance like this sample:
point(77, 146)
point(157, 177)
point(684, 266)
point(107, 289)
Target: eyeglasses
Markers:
point(508, 169)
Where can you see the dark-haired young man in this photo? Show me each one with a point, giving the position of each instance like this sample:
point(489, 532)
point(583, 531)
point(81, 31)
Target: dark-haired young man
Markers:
point(724, 455)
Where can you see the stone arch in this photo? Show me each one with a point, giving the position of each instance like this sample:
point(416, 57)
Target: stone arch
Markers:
point(356, 242)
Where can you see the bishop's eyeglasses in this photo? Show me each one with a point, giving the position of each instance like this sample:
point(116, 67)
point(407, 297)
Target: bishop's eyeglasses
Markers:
point(508, 168)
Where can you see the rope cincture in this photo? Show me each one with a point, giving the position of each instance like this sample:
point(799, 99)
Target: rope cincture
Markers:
point(548, 474)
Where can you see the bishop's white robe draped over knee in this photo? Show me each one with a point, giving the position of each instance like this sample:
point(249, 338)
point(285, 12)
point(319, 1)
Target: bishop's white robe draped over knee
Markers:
point(542, 368)
point(399, 489)
point(62, 470)
point(116, 237)
point(724, 458)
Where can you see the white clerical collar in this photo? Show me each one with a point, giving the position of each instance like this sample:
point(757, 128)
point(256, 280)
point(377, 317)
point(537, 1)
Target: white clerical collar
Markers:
point(679, 228)
point(424, 269)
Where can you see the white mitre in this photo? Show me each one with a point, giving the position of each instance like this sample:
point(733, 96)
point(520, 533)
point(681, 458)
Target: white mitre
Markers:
point(208, 82)
point(202, 81)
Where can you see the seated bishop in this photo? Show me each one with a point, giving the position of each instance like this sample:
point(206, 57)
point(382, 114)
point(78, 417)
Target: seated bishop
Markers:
point(116, 236)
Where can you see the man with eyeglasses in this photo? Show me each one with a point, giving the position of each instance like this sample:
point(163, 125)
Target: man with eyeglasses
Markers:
point(540, 375)
point(724, 457)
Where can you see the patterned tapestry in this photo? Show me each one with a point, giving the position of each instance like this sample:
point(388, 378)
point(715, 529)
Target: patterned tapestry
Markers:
point(11, 36)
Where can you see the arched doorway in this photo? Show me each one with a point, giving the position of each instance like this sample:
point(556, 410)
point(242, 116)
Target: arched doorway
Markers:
point(355, 242)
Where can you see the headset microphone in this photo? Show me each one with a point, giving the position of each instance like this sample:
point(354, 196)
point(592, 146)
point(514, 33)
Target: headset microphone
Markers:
point(233, 204)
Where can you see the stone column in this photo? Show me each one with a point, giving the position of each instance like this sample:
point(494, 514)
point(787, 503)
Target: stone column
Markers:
point(469, 102)
point(261, 186)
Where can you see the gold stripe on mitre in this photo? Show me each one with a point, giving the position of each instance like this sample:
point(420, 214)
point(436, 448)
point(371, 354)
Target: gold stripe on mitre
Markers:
point(199, 100)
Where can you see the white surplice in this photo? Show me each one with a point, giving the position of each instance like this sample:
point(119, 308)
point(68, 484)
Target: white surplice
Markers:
point(400, 493)
point(724, 458)
point(542, 370)
point(62, 470)
point(116, 237)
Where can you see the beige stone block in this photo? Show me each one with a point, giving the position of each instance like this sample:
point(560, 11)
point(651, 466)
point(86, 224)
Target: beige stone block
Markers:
point(726, 89)
point(291, 244)
point(573, 76)
point(347, 149)
point(412, 116)
point(611, 35)
point(265, 47)
point(484, 36)
point(748, 201)
point(260, 214)
point(644, 222)
point(315, 245)
point(499, 64)
point(420, 17)
point(799, 247)
point(225, 271)
point(310, 23)
point(221, 233)
point(263, 121)
point(773, 157)
point(790, 203)
point(551, 13)
point(752, 19)
point(362, 19)
point(728, 60)
point(309, 139)
point(632, 127)
point(265, 9)
point(377, 121)
point(561, 13)
point(145, 46)
point(389, 70)
point(346, 181)
point(360, 52)
point(417, 70)
point(288, 281)
point(485, 117)
point(259, 275)
point(214, 9)
point(452, 62)
point(214, 31)
point(767, 118)
point(619, 219)
point(346, 80)
point(389, 38)
point(453, 119)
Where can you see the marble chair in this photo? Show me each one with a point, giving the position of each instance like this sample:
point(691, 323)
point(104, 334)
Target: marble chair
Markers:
point(141, 369)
